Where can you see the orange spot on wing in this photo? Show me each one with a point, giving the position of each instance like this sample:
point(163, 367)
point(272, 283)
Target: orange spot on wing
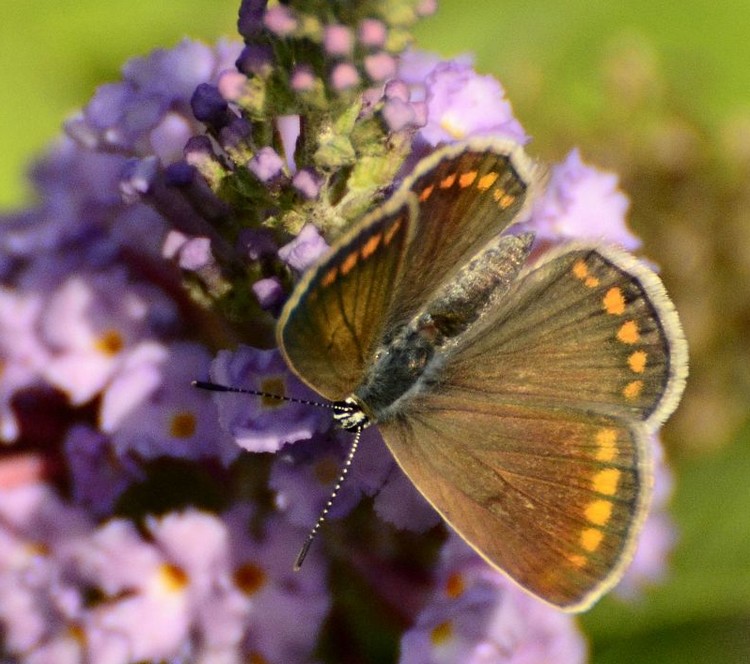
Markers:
point(605, 481)
point(633, 389)
point(577, 559)
point(628, 332)
point(349, 262)
point(637, 361)
point(591, 282)
point(448, 181)
point(391, 232)
point(599, 512)
point(369, 247)
point(506, 200)
point(591, 538)
point(426, 193)
point(467, 179)
point(606, 439)
point(330, 276)
point(580, 269)
point(614, 301)
point(486, 181)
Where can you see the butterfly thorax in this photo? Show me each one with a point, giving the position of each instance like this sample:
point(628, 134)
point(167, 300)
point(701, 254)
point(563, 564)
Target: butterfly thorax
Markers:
point(408, 360)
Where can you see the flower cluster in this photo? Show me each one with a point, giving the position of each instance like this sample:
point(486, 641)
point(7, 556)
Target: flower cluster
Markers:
point(173, 219)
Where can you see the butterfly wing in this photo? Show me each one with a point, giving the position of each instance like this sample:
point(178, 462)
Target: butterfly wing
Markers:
point(381, 272)
point(532, 439)
point(553, 501)
point(468, 193)
point(335, 316)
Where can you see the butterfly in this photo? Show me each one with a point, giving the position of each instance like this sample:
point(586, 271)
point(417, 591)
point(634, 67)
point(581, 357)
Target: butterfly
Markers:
point(518, 398)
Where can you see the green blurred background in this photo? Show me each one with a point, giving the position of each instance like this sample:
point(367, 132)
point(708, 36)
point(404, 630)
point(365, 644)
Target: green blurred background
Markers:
point(658, 92)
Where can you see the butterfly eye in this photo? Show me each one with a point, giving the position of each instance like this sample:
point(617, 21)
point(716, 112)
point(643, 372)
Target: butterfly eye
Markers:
point(418, 361)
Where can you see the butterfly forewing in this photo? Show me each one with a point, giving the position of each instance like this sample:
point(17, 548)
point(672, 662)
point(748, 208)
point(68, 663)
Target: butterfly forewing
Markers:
point(468, 193)
point(341, 303)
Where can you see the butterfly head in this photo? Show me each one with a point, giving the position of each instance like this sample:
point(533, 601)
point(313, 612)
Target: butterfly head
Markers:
point(350, 415)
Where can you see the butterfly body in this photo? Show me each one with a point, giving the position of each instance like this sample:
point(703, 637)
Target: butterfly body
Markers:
point(518, 398)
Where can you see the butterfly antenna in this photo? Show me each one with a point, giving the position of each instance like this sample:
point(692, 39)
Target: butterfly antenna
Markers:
point(342, 476)
point(215, 387)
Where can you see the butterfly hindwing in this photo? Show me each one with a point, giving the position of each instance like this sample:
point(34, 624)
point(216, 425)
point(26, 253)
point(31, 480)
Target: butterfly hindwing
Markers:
point(553, 500)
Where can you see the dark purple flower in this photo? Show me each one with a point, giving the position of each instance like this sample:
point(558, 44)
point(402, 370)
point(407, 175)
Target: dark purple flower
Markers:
point(251, 14)
point(255, 59)
point(209, 105)
point(99, 475)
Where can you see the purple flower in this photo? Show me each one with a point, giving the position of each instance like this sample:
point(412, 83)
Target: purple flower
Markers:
point(209, 105)
point(344, 76)
point(37, 598)
point(266, 164)
point(581, 201)
point(269, 293)
point(372, 33)
point(99, 475)
point(152, 410)
point(307, 183)
point(380, 66)
point(262, 570)
point(460, 103)
point(91, 324)
point(281, 20)
point(166, 597)
point(303, 479)
point(256, 59)
point(264, 424)
point(338, 39)
point(22, 354)
point(398, 502)
point(157, 240)
point(304, 250)
point(151, 106)
point(303, 79)
point(476, 615)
